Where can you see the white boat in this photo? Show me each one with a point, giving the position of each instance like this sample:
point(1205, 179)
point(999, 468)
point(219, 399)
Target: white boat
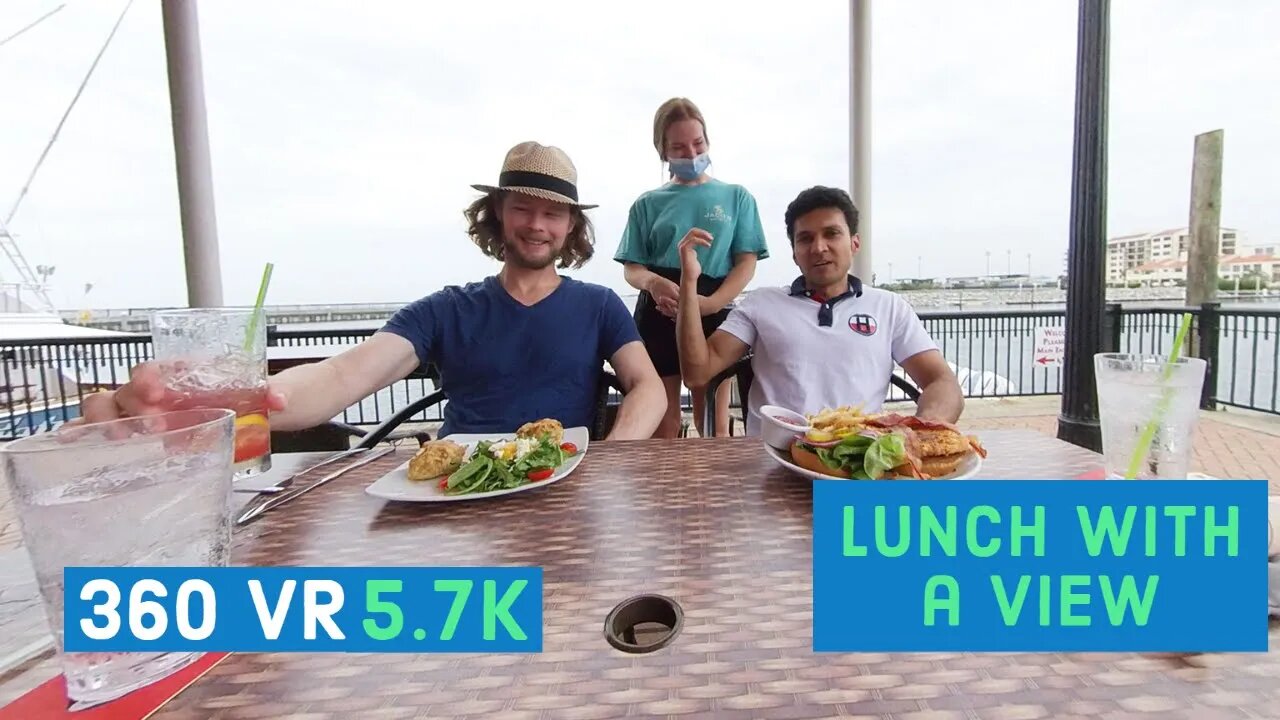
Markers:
point(983, 383)
point(36, 395)
point(974, 384)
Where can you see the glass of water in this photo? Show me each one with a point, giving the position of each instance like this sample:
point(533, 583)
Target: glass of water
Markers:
point(1141, 398)
point(153, 490)
point(217, 358)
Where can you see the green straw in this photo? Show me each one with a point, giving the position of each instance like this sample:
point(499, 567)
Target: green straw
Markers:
point(257, 306)
point(1149, 433)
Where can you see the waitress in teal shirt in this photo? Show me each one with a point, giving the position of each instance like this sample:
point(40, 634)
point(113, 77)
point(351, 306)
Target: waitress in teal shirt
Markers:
point(658, 220)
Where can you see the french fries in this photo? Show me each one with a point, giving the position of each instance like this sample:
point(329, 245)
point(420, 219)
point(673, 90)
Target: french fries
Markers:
point(838, 422)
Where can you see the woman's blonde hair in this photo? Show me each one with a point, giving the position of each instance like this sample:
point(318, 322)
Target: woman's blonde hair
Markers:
point(669, 113)
point(484, 226)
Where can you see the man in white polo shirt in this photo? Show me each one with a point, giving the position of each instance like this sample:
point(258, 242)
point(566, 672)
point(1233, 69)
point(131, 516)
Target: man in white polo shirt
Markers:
point(826, 340)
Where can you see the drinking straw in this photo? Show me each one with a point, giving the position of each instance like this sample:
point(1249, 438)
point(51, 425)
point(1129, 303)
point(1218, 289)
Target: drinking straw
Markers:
point(257, 306)
point(1149, 433)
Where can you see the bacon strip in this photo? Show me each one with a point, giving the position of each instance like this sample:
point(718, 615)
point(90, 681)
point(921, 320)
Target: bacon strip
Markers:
point(912, 444)
point(890, 420)
point(907, 425)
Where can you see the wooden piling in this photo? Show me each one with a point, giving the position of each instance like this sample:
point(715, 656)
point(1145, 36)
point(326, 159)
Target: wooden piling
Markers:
point(1204, 243)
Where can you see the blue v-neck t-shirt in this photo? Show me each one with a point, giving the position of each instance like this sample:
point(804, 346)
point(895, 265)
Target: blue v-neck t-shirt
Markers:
point(503, 363)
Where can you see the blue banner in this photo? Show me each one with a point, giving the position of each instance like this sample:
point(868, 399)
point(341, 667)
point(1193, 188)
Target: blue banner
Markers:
point(1040, 566)
point(303, 609)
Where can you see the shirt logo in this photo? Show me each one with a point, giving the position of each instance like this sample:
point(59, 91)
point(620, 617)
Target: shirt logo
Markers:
point(717, 214)
point(863, 324)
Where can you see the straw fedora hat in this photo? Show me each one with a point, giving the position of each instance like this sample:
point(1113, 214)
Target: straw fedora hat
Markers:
point(541, 171)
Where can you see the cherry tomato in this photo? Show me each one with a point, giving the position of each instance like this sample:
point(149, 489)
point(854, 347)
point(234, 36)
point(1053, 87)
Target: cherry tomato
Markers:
point(569, 448)
point(539, 474)
point(444, 482)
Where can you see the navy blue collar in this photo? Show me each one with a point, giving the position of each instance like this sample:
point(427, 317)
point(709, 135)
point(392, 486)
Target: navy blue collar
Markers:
point(799, 289)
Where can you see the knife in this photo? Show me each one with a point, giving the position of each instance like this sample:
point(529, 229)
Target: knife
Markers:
point(280, 499)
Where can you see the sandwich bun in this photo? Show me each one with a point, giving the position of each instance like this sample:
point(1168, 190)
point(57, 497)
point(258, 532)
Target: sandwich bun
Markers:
point(941, 465)
point(810, 461)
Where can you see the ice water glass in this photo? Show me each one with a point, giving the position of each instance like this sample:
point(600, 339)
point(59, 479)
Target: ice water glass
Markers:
point(1133, 392)
point(217, 358)
point(133, 492)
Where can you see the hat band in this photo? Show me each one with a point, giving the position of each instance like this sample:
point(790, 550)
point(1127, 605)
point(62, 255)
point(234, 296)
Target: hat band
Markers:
point(540, 181)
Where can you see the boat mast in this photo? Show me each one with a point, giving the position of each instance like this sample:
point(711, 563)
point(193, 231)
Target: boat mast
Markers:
point(9, 243)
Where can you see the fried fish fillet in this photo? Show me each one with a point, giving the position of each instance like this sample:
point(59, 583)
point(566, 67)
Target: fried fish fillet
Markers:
point(545, 426)
point(934, 448)
point(436, 458)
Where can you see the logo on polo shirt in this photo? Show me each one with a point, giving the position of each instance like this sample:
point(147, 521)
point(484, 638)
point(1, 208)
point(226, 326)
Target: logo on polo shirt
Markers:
point(863, 324)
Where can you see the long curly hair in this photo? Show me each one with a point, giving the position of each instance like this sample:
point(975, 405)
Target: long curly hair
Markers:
point(484, 226)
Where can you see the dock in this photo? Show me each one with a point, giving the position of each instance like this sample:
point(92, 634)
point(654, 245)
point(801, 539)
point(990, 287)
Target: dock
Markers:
point(137, 320)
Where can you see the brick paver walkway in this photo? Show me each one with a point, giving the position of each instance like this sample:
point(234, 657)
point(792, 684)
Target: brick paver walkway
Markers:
point(24, 630)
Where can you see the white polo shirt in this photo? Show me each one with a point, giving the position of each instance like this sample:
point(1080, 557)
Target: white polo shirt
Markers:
point(809, 355)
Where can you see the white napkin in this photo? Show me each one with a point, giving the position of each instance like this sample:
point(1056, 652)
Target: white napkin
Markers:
point(1273, 519)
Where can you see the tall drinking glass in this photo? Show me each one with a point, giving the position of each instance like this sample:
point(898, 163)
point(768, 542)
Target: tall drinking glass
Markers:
point(217, 358)
point(1137, 395)
point(138, 491)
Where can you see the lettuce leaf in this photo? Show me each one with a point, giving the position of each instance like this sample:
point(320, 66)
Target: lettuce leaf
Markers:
point(847, 455)
point(884, 454)
point(865, 458)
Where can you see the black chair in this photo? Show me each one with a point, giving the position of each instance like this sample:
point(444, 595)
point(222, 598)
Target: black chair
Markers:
point(744, 374)
point(338, 435)
point(606, 409)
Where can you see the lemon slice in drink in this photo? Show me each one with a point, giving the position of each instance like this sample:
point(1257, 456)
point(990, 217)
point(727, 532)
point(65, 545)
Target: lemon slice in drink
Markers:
point(251, 420)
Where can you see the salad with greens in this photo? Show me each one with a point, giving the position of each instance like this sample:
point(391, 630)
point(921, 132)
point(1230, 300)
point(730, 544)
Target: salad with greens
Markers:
point(864, 456)
point(506, 464)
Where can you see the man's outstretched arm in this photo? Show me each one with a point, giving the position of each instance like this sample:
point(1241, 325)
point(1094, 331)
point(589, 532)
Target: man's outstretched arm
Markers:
point(298, 398)
point(315, 392)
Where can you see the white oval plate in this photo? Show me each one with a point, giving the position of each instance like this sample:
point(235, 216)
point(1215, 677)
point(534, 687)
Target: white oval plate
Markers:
point(396, 484)
point(968, 468)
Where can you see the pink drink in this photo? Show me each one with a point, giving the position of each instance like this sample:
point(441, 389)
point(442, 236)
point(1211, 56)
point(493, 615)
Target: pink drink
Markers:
point(253, 430)
point(216, 358)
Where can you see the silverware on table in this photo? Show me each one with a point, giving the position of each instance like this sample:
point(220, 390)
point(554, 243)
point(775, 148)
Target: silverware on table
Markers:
point(288, 479)
point(272, 489)
point(277, 496)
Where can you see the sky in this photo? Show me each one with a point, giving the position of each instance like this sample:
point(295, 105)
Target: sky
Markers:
point(345, 137)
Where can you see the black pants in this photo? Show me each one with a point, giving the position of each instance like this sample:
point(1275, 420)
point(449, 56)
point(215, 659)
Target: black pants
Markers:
point(659, 331)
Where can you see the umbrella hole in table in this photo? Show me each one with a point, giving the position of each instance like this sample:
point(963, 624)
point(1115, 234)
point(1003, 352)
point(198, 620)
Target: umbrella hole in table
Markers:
point(643, 623)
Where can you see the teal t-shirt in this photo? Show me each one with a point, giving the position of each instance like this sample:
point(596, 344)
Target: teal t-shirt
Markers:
point(660, 218)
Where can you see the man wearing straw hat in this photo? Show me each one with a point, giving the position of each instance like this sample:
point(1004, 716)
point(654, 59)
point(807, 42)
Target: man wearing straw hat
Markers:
point(525, 344)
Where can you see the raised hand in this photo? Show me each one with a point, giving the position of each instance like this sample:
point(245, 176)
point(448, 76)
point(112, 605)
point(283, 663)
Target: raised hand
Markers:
point(690, 266)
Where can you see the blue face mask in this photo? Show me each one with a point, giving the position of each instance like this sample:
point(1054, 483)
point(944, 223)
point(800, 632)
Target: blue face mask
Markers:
point(689, 168)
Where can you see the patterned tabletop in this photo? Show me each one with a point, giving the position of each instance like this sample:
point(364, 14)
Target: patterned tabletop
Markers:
point(716, 525)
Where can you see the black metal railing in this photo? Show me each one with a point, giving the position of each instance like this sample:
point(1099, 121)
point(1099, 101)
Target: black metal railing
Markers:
point(994, 354)
point(1251, 339)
